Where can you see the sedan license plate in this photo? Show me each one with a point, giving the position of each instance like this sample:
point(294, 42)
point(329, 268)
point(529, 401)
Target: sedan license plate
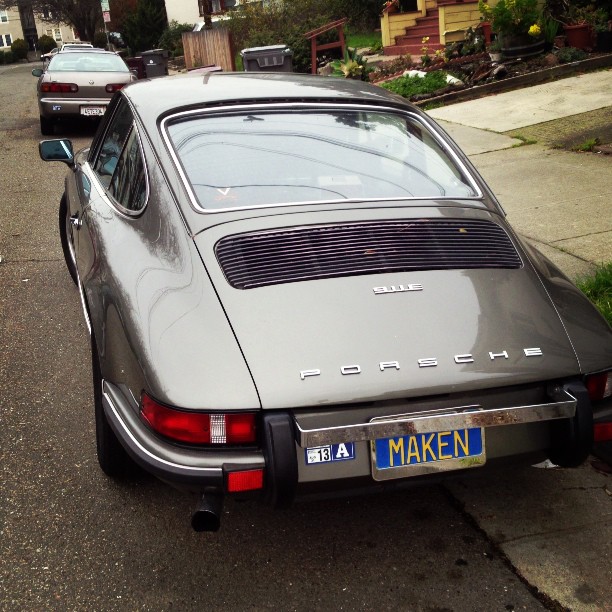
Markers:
point(427, 453)
point(93, 111)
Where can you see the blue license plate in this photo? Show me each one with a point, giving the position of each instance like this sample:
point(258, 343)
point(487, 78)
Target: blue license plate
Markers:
point(445, 449)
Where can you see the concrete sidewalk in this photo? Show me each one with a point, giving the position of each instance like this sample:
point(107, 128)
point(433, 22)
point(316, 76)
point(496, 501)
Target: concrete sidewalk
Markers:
point(561, 201)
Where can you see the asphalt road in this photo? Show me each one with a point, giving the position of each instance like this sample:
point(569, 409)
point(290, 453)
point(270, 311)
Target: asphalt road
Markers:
point(71, 539)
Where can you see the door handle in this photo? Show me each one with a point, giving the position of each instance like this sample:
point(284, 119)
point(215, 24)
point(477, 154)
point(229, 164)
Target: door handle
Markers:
point(74, 220)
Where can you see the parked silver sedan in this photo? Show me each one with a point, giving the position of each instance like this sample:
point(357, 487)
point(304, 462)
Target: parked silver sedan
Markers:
point(78, 83)
point(299, 286)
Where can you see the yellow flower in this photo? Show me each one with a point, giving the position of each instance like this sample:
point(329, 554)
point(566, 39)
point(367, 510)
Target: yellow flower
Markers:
point(535, 30)
point(425, 39)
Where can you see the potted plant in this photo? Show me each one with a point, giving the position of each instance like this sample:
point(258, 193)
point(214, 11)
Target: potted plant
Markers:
point(517, 25)
point(578, 26)
point(495, 52)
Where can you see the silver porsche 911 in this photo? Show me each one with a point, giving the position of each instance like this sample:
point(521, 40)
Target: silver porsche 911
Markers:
point(299, 286)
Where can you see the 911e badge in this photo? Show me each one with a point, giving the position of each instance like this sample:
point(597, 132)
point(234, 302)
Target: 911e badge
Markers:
point(332, 452)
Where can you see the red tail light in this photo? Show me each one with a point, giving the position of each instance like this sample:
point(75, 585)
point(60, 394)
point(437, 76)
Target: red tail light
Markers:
point(602, 432)
point(199, 427)
point(599, 385)
point(59, 88)
point(113, 87)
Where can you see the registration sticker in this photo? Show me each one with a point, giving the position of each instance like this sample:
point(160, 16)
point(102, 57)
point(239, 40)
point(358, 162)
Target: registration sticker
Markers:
point(332, 452)
point(430, 452)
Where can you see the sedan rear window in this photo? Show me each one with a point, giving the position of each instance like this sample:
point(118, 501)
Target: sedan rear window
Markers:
point(273, 158)
point(88, 61)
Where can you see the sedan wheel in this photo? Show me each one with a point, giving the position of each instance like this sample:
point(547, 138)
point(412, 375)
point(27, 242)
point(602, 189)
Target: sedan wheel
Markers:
point(46, 126)
point(67, 246)
point(112, 457)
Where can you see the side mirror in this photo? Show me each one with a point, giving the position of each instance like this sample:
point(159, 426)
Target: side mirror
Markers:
point(57, 150)
point(37, 72)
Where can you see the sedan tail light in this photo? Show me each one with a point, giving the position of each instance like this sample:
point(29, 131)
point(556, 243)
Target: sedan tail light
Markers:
point(195, 427)
point(113, 87)
point(599, 385)
point(59, 88)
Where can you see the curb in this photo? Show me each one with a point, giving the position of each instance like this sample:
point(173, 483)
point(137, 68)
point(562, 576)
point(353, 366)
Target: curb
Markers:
point(524, 80)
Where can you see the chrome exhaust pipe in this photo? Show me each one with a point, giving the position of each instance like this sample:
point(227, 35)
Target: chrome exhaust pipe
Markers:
point(207, 516)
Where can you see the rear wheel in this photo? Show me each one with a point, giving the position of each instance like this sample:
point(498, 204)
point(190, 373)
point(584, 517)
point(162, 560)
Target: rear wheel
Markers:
point(46, 126)
point(67, 247)
point(112, 457)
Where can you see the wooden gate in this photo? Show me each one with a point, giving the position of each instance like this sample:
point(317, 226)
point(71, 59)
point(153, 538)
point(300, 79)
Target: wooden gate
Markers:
point(209, 48)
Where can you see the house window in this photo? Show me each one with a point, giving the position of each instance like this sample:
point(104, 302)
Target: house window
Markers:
point(8, 40)
point(3, 17)
point(58, 34)
point(47, 14)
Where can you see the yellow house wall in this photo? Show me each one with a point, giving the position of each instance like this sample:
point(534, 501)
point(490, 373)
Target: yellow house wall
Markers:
point(395, 25)
point(455, 19)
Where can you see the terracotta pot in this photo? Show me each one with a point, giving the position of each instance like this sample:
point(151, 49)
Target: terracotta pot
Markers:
point(579, 36)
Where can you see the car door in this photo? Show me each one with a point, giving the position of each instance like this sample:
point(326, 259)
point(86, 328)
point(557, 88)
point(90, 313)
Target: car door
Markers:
point(94, 181)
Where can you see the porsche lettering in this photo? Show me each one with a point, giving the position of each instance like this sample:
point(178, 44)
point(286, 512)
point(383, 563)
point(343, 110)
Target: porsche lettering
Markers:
point(423, 362)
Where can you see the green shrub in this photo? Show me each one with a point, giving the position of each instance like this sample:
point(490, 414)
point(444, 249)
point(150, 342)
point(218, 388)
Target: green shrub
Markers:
point(100, 40)
point(172, 38)
point(410, 86)
point(46, 43)
point(20, 49)
point(567, 55)
point(285, 23)
point(6, 57)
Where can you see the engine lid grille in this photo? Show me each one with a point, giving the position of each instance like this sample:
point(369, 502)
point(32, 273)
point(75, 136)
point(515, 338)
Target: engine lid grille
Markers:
point(305, 253)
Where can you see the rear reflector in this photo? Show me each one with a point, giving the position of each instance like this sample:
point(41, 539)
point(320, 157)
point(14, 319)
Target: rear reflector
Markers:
point(603, 432)
point(599, 385)
point(244, 481)
point(198, 427)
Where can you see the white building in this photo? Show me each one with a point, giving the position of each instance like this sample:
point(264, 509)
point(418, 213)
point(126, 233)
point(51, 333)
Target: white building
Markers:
point(25, 25)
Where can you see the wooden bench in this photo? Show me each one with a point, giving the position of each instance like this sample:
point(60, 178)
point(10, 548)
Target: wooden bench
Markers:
point(315, 47)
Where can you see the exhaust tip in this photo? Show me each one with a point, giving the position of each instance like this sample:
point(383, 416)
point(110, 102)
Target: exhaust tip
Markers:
point(207, 516)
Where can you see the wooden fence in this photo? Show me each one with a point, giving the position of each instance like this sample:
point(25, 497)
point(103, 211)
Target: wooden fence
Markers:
point(209, 48)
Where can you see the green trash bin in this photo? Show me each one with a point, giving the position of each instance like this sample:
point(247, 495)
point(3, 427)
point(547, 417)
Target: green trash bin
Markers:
point(275, 58)
point(155, 62)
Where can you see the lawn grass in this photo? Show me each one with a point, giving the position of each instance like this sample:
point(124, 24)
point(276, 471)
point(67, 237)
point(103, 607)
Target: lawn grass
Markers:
point(361, 40)
point(598, 288)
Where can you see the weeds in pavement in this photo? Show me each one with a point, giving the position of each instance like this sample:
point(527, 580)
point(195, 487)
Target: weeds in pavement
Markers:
point(598, 288)
point(587, 145)
point(524, 140)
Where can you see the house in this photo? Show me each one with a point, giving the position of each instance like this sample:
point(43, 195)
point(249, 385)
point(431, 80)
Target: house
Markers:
point(192, 11)
point(441, 21)
point(24, 24)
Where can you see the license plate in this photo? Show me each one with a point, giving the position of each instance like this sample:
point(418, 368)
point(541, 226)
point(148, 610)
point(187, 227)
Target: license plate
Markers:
point(426, 453)
point(93, 111)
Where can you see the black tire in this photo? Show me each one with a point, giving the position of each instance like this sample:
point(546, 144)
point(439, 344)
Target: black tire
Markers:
point(112, 457)
point(47, 126)
point(64, 230)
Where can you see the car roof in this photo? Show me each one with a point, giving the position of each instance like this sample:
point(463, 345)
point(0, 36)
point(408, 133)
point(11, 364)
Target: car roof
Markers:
point(156, 97)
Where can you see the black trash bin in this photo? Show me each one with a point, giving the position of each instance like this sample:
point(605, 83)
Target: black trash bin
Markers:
point(136, 65)
point(155, 62)
point(275, 58)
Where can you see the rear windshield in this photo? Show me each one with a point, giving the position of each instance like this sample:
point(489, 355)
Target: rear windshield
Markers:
point(272, 158)
point(87, 61)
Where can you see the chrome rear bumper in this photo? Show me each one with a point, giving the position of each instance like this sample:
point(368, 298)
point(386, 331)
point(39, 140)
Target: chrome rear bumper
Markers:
point(563, 406)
